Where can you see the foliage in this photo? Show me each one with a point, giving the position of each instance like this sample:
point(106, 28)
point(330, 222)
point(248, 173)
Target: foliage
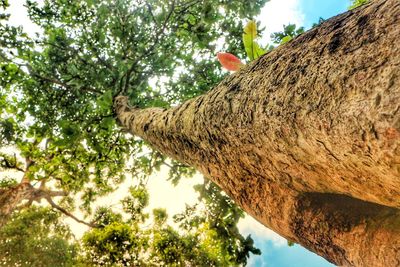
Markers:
point(7, 182)
point(204, 236)
point(35, 237)
point(117, 244)
point(357, 3)
point(289, 32)
point(253, 49)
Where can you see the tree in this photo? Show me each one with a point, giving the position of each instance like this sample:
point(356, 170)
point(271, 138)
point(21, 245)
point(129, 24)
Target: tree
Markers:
point(305, 139)
point(203, 236)
point(35, 237)
point(86, 60)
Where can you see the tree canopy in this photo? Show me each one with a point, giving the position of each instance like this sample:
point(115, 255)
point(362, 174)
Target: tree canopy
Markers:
point(36, 237)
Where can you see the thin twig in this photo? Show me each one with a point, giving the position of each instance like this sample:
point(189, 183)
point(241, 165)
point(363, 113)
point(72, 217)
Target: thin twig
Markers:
point(159, 33)
point(56, 81)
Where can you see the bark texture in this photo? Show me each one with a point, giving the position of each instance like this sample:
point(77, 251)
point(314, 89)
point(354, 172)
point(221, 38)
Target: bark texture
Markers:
point(306, 139)
point(10, 198)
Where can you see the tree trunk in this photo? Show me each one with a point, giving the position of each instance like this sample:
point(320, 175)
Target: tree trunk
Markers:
point(306, 139)
point(11, 197)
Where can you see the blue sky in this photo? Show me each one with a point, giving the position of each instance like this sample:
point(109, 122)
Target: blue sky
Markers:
point(300, 12)
point(275, 252)
point(284, 256)
point(314, 9)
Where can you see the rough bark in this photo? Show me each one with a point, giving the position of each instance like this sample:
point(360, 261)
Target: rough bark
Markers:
point(306, 139)
point(11, 197)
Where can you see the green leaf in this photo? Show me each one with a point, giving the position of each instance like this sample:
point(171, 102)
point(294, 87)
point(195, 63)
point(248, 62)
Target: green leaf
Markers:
point(286, 39)
point(357, 3)
point(108, 123)
point(4, 3)
point(253, 50)
point(105, 101)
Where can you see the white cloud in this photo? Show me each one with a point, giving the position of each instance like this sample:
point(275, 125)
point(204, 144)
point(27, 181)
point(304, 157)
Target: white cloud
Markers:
point(19, 16)
point(173, 198)
point(276, 13)
point(249, 225)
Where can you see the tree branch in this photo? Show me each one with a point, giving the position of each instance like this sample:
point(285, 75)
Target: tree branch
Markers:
point(159, 33)
point(151, 13)
point(6, 162)
point(51, 193)
point(175, 165)
point(64, 211)
point(56, 81)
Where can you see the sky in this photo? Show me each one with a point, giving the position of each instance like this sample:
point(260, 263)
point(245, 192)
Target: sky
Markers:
point(275, 251)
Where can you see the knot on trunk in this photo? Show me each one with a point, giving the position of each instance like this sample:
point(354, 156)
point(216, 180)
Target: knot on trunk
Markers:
point(121, 104)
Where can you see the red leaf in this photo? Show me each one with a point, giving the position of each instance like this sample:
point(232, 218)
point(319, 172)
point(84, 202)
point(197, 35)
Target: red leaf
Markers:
point(229, 61)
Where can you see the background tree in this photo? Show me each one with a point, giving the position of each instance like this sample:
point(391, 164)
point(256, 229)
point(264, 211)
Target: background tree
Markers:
point(203, 237)
point(36, 237)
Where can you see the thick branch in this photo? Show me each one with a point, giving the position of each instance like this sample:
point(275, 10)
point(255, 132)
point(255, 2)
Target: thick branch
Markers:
point(11, 197)
point(41, 193)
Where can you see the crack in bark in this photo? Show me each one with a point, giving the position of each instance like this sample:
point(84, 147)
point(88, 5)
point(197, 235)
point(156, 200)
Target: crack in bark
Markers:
point(327, 149)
